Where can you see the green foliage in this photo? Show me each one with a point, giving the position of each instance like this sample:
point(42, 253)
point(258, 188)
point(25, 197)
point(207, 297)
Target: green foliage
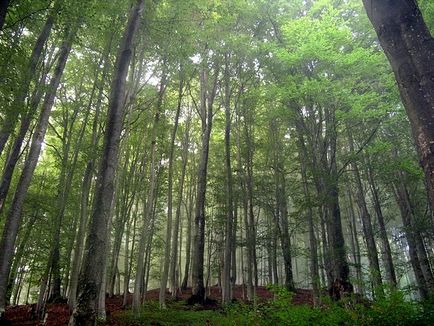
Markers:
point(391, 310)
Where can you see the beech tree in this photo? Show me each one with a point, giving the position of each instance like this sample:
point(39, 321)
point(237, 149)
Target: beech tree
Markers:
point(95, 250)
point(216, 147)
point(409, 47)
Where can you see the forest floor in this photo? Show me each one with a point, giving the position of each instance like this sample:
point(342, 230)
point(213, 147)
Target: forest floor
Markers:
point(58, 314)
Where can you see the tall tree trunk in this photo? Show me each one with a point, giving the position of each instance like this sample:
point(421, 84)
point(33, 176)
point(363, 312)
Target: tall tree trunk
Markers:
point(386, 252)
point(313, 248)
point(281, 204)
point(85, 191)
point(409, 47)
point(226, 286)
point(173, 271)
point(18, 105)
point(418, 257)
point(92, 268)
point(148, 210)
point(14, 215)
point(169, 237)
point(374, 264)
point(330, 186)
point(206, 109)
point(355, 243)
point(19, 254)
point(189, 239)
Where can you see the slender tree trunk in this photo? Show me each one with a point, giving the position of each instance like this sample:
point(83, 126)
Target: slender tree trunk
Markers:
point(409, 46)
point(19, 254)
point(15, 151)
point(419, 260)
point(355, 243)
point(92, 268)
point(18, 106)
point(14, 215)
point(140, 274)
point(234, 248)
point(84, 198)
point(226, 286)
point(313, 248)
point(64, 187)
point(173, 272)
point(386, 252)
point(169, 237)
point(189, 235)
point(206, 104)
point(374, 264)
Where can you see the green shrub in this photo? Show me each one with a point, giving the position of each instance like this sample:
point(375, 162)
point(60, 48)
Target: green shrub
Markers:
point(393, 309)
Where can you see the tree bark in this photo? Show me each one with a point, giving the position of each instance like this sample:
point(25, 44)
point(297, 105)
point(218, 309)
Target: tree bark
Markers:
point(409, 47)
point(169, 237)
point(374, 264)
point(386, 252)
point(173, 271)
point(148, 209)
point(206, 109)
point(85, 312)
point(313, 248)
point(14, 215)
point(189, 239)
point(18, 106)
point(418, 257)
point(84, 198)
point(226, 278)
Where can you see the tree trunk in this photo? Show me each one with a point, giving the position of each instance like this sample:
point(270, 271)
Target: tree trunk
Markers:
point(374, 264)
point(18, 106)
point(355, 244)
point(419, 261)
point(84, 198)
point(189, 239)
point(206, 104)
point(226, 284)
point(386, 252)
point(140, 274)
point(19, 254)
point(27, 115)
point(14, 215)
point(281, 205)
point(173, 272)
point(92, 268)
point(409, 47)
point(313, 248)
point(169, 237)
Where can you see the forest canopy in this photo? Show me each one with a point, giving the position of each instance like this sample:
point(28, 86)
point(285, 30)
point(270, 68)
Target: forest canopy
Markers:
point(162, 144)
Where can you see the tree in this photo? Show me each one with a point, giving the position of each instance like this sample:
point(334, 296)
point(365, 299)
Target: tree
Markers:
point(409, 47)
point(14, 214)
point(207, 95)
point(95, 250)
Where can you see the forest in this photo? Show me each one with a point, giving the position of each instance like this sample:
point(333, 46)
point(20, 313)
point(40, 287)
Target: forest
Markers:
point(216, 162)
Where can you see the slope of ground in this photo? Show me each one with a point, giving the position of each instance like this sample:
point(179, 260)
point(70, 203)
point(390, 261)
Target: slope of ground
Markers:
point(58, 314)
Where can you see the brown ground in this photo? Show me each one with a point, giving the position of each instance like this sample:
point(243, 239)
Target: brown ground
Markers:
point(58, 314)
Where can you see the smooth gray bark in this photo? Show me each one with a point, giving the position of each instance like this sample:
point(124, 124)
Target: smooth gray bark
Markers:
point(85, 311)
point(206, 109)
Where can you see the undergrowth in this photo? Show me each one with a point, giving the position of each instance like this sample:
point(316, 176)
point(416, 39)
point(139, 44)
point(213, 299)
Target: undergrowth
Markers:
point(391, 310)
